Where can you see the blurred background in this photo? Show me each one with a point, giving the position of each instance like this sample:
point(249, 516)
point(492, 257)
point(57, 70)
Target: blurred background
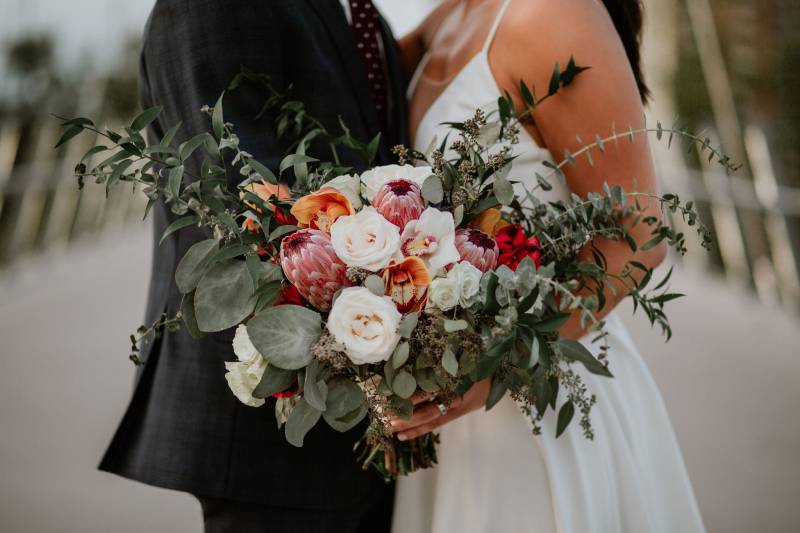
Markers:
point(73, 266)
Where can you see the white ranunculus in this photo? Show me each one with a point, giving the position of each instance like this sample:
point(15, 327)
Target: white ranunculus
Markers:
point(372, 180)
point(469, 281)
point(243, 376)
point(365, 240)
point(350, 186)
point(432, 238)
point(444, 293)
point(243, 346)
point(366, 324)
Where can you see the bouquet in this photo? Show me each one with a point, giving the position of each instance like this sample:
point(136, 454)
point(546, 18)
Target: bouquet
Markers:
point(352, 293)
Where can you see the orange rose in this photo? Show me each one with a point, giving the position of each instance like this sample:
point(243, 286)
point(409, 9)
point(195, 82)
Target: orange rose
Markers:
point(265, 191)
point(320, 210)
point(407, 284)
point(489, 222)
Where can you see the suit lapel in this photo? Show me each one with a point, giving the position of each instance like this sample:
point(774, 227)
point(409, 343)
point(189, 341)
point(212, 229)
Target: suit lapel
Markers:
point(331, 14)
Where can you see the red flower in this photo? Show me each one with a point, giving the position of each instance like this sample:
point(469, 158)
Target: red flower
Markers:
point(515, 246)
point(285, 219)
point(290, 295)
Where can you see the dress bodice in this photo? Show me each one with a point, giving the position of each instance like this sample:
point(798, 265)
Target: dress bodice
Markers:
point(474, 87)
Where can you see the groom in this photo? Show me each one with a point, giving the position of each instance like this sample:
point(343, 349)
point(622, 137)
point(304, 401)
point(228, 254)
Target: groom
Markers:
point(183, 429)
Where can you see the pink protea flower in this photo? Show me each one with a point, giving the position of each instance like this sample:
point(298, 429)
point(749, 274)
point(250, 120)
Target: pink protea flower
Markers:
point(311, 265)
point(477, 248)
point(399, 201)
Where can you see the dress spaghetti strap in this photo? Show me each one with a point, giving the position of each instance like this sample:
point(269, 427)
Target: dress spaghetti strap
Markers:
point(495, 26)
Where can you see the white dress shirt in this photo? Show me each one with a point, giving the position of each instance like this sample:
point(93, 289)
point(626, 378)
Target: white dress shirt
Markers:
point(346, 7)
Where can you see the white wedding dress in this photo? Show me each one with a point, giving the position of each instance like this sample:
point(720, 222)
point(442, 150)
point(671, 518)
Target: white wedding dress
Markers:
point(494, 475)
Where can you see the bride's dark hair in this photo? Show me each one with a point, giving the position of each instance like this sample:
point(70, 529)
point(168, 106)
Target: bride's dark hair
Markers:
point(627, 16)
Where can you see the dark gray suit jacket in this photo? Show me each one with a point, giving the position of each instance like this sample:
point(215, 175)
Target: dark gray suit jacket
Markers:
point(184, 429)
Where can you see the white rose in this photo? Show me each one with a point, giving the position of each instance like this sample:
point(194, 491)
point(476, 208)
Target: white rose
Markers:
point(372, 180)
point(444, 293)
point(243, 376)
point(432, 238)
point(366, 324)
point(242, 345)
point(350, 186)
point(365, 240)
point(469, 281)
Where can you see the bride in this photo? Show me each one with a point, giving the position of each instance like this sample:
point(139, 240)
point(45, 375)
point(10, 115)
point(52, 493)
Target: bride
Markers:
point(495, 475)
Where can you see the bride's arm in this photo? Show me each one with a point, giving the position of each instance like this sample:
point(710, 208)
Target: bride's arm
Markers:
point(414, 45)
point(604, 97)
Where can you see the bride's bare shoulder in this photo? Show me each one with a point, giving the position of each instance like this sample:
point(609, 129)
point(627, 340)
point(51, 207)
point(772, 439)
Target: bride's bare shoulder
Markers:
point(556, 24)
point(550, 32)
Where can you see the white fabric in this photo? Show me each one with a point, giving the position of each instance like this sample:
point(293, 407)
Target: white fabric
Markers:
point(347, 11)
point(495, 476)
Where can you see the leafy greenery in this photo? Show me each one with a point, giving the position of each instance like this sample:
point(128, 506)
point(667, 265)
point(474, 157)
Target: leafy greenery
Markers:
point(510, 332)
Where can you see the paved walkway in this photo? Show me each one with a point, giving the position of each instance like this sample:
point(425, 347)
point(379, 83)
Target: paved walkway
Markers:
point(729, 378)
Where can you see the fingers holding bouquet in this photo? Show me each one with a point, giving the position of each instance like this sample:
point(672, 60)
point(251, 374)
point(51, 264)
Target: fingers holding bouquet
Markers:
point(431, 414)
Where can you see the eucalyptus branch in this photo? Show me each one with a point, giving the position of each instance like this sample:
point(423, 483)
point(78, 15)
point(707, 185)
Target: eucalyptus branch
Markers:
point(155, 330)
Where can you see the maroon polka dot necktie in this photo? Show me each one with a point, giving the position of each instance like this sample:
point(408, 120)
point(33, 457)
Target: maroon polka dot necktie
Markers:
point(366, 27)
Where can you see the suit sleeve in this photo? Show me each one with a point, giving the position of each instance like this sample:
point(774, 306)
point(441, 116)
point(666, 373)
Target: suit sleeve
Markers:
point(192, 51)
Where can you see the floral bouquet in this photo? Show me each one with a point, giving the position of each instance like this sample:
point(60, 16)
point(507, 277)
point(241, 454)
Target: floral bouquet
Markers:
point(352, 293)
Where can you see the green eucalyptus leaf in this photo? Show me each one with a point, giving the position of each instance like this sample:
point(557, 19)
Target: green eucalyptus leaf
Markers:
point(575, 351)
point(263, 171)
point(217, 120)
point(174, 181)
point(145, 118)
point(407, 325)
point(400, 355)
point(281, 231)
point(303, 418)
point(284, 335)
point(432, 190)
point(315, 390)
point(344, 396)
point(117, 173)
point(92, 151)
point(348, 421)
point(186, 149)
point(189, 318)
point(551, 324)
point(496, 393)
point(426, 380)
point(404, 385)
point(224, 296)
point(192, 265)
point(503, 190)
point(179, 224)
point(449, 362)
point(170, 135)
point(565, 415)
point(458, 215)
point(229, 251)
point(273, 381)
point(375, 285)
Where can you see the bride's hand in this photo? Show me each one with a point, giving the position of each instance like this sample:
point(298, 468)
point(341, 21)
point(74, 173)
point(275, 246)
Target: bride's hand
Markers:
point(427, 416)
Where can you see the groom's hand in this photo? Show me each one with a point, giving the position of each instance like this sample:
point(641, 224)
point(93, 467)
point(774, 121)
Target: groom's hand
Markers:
point(427, 416)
